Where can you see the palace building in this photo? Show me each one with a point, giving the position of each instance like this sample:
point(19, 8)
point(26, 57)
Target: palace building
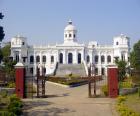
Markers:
point(70, 56)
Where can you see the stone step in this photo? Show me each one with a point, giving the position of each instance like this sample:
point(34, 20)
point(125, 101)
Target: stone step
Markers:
point(65, 69)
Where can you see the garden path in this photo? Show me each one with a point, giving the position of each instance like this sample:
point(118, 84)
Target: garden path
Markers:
point(64, 101)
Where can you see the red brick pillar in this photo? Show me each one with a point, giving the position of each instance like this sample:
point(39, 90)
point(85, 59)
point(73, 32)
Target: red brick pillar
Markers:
point(112, 81)
point(20, 76)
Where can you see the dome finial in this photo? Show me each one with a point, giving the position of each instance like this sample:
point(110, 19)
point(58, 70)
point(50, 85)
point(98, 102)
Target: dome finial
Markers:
point(70, 21)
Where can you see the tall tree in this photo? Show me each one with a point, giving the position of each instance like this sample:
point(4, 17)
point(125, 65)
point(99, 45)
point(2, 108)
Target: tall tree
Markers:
point(135, 56)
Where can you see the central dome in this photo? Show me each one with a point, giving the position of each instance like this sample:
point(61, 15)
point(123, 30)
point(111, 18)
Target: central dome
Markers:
point(70, 27)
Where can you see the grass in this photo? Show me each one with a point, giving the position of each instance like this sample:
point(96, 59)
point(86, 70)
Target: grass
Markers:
point(133, 102)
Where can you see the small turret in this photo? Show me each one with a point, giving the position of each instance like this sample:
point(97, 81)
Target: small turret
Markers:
point(121, 40)
point(70, 33)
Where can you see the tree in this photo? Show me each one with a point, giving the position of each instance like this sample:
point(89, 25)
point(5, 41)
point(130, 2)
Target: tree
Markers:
point(135, 56)
point(1, 56)
point(1, 16)
point(8, 64)
point(6, 50)
point(1, 29)
point(122, 69)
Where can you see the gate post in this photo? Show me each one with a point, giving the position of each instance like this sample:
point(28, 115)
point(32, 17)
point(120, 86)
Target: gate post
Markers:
point(20, 80)
point(112, 81)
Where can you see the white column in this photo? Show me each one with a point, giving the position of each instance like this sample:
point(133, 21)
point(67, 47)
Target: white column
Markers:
point(35, 64)
point(75, 59)
point(99, 63)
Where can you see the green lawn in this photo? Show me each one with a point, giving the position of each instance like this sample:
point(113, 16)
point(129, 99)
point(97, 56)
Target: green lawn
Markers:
point(133, 102)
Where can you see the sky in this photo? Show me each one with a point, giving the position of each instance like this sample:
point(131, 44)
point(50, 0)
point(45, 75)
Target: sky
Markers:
point(43, 21)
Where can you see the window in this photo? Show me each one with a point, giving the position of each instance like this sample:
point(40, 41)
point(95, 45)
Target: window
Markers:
point(61, 58)
point(24, 59)
point(96, 59)
point(103, 71)
point(108, 58)
point(74, 35)
point(70, 58)
point(17, 58)
point(88, 59)
point(22, 43)
point(117, 43)
point(52, 59)
point(37, 59)
point(69, 35)
point(96, 71)
point(44, 59)
point(31, 59)
point(65, 35)
point(102, 59)
point(79, 58)
point(31, 70)
point(123, 57)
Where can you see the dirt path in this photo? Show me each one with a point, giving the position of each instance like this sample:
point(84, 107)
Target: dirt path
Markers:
point(63, 101)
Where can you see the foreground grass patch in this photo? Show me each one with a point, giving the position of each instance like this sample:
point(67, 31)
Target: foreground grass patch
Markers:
point(133, 102)
point(128, 105)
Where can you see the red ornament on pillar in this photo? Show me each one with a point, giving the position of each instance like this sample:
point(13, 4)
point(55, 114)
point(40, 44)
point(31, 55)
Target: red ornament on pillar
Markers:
point(20, 76)
point(113, 81)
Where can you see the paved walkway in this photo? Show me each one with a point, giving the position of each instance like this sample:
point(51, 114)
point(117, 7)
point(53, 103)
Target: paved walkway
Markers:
point(64, 101)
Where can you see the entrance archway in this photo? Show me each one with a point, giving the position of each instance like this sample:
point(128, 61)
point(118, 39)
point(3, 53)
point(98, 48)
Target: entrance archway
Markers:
point(79, 58)
point(70, 58)
point(61, 58)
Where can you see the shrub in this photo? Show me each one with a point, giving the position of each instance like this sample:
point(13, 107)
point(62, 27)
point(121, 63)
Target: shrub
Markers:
point(11, 85)
point(121, 99)
point(125, 84)
point(15, 105)
point(4, 93)
point(105, 90)
point(6, 113)
point(124, 110)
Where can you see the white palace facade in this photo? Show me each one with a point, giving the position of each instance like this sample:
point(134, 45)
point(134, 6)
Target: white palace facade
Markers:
point(70, 52)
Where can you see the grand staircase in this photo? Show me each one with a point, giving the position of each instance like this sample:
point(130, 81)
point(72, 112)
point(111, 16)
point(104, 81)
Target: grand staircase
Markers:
point(64, 69)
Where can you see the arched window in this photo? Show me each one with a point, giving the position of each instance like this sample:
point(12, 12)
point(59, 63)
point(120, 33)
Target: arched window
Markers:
point(44, 58)
point(37, 58)
point(65, 35)
point(31, 59)
point(108, 58)
point(52, 59)
point(96, 59)
point(70, 58)
point(88, 59)
point(69, 35)
point(79, 58)
point(74, 35)
point(61, 58)
point(102, 59)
